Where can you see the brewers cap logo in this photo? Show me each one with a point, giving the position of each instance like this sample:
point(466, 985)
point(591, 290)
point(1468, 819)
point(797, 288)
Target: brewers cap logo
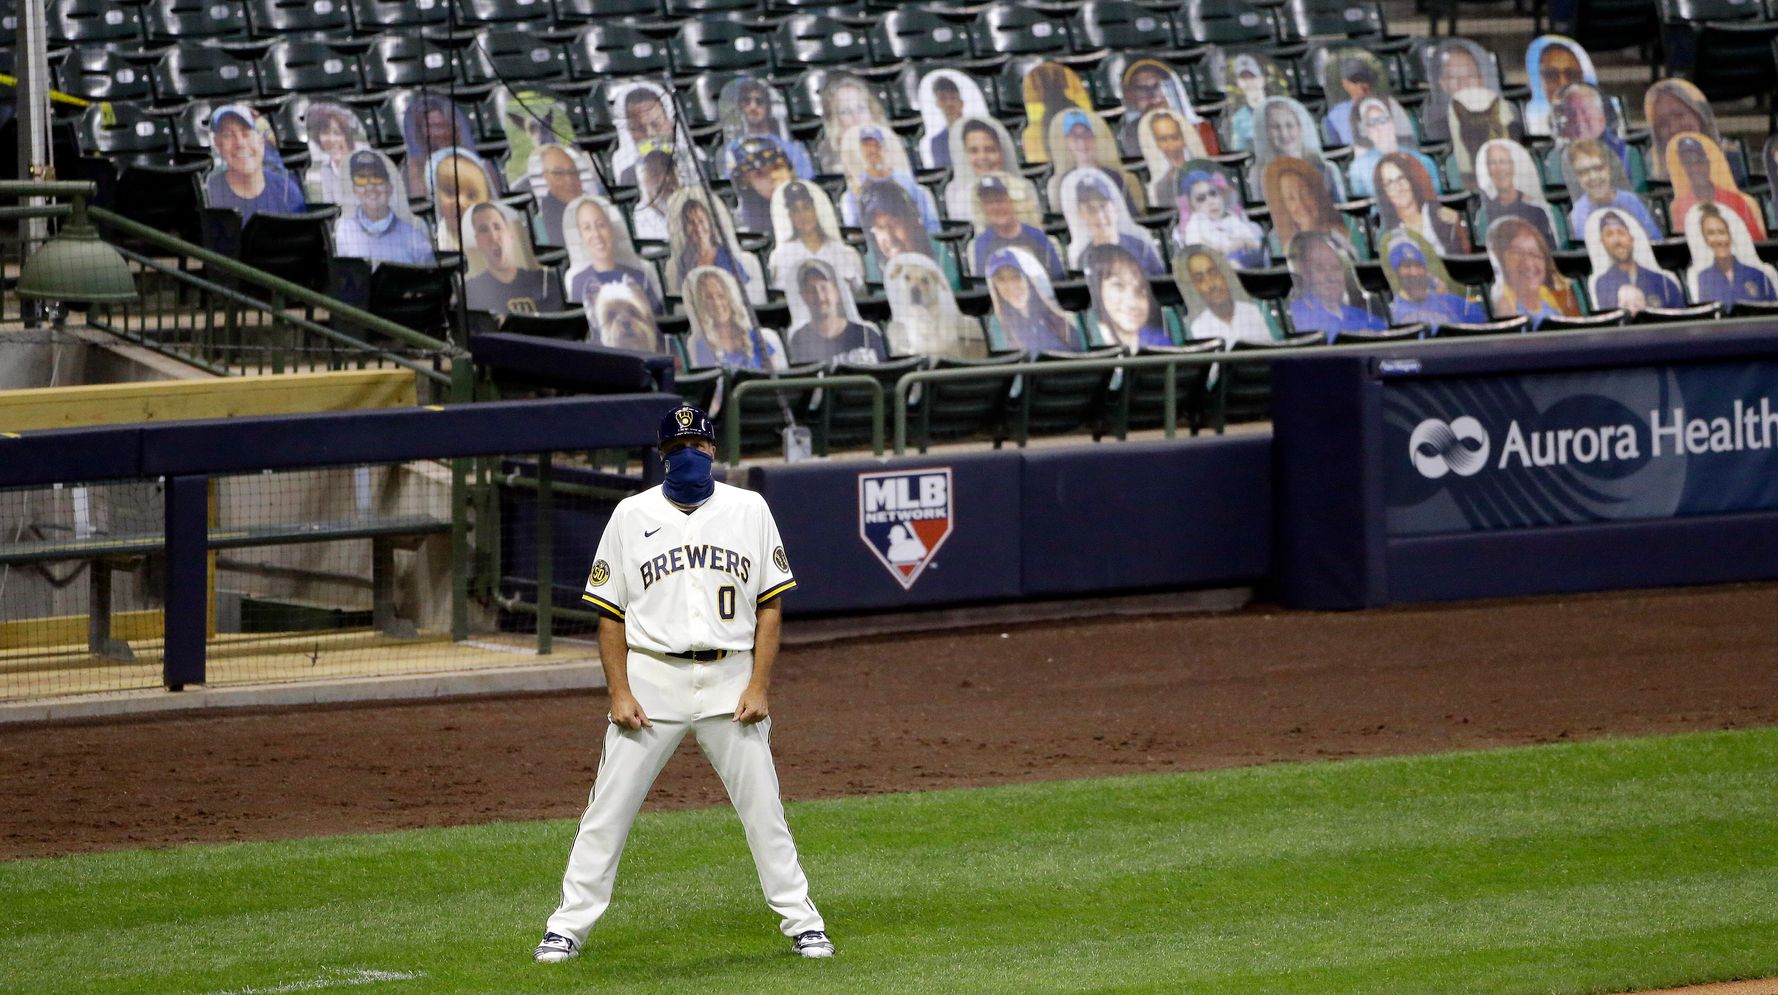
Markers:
point(684, 417)
point(779, 560)
point(601, 573)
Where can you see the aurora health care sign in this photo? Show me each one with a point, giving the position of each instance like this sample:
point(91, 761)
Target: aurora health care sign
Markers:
point(1527, 450)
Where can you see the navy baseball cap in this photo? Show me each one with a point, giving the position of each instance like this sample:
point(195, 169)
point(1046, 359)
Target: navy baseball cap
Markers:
point(1405, 251)
point(760, 153)
point(1091, 188)
point(686, 422)
point(368, 163)
point(1000, 259)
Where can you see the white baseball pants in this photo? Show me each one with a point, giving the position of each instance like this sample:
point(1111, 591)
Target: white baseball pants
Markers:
point(631, 760)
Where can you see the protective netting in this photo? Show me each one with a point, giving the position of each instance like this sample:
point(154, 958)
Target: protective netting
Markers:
point(332, 573)
point(64, 551)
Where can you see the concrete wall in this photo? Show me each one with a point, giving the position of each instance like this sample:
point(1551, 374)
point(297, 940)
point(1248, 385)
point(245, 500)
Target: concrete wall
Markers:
point(60, 357)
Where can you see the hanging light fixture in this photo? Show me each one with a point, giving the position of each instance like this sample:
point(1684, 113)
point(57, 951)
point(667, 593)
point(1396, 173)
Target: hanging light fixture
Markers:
point(77, 267)
point(74, 267)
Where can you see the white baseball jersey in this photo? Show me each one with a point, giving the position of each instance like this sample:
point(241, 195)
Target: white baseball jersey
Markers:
point(684, 582)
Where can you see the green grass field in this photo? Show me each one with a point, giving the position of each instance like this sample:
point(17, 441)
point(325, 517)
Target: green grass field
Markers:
point(1602, 866)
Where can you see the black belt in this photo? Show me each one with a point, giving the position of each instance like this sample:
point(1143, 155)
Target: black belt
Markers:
point(701, 656)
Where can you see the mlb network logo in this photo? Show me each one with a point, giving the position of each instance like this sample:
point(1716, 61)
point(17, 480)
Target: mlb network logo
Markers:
point(904, 516)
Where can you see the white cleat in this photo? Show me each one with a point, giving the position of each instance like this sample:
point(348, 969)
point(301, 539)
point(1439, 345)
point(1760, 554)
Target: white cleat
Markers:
point(814, 943)
point(556, 948)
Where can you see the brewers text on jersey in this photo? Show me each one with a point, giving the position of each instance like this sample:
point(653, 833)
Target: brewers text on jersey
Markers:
point(700, 557)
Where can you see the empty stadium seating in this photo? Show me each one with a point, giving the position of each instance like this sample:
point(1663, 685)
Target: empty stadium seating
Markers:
point(158, 73)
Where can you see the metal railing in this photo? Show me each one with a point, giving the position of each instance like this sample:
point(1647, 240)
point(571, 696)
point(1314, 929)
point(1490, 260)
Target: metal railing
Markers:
point(732, 425)
point(231, 318)
point(731, 422)
point(256, 321)
point(17, 245)
point(1170, 391)
point(905, 384)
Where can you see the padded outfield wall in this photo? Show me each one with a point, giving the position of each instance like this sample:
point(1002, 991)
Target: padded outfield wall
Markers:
point(870, 535)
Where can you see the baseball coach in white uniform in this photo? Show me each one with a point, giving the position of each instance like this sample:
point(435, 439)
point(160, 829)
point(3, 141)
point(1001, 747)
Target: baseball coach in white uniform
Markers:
point(686, 581)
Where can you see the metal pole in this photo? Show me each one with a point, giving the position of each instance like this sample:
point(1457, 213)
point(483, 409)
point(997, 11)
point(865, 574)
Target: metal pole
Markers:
point(546, 552)
point(186, 598)
point(876, 421)
point(462, 379)
point(47, 188)
point(274, 340)
point(571, 614)
point(1171, 401)
point(32, 96)
point(459, 549)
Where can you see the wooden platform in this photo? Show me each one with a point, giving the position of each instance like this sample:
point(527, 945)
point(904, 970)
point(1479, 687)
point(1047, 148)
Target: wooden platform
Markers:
point(35, 409)
point(243, 659)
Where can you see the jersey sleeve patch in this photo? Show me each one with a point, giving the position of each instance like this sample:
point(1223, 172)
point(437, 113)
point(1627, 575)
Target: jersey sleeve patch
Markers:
point(774, 592)
point(600, 573)
point(780, 561)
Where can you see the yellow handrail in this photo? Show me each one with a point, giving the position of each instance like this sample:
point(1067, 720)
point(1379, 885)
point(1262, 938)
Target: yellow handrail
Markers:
point(58, 96)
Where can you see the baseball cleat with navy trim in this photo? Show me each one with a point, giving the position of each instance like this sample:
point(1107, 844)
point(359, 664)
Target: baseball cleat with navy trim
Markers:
point(556, 947)
point(814, 943)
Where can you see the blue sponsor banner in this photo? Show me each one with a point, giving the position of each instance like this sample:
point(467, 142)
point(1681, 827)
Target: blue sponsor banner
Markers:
point(1465, 454)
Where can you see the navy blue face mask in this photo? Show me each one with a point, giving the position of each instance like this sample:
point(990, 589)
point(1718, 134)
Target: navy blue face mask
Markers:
point(688, 475)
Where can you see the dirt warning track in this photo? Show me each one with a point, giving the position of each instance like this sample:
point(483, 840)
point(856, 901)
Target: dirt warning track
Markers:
point(938, 710)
